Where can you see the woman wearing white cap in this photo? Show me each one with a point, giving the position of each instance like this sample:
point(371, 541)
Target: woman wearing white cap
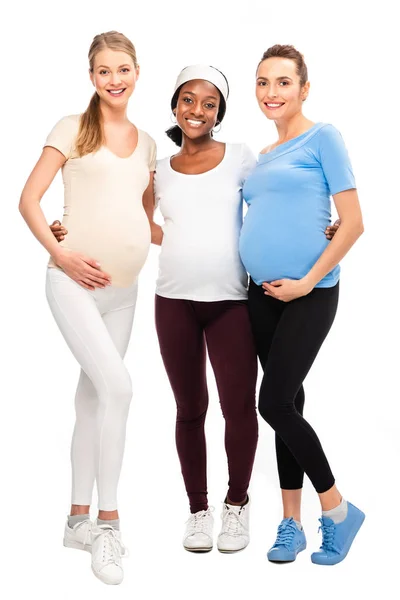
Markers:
point(201, 301)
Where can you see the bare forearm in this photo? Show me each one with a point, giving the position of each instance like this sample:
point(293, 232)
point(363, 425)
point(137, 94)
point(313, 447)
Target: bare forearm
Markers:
point(32, 213)
point(149, 210)
point(156, 231)
point(148, 205)
point(344, 239)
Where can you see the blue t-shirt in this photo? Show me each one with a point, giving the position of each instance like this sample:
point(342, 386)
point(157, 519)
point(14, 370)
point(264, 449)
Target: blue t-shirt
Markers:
point(288, 194)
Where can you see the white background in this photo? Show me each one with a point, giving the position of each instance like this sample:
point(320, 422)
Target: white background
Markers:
point(352, 392)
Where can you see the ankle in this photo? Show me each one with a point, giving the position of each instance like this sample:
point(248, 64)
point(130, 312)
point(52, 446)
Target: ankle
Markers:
point(79, 509)
point(338, 513)
point(108, 515)
point(294, 515)
point(114, 523)
point(330, 499)
point(242, 503)
point(75, 519)
point(195, 509)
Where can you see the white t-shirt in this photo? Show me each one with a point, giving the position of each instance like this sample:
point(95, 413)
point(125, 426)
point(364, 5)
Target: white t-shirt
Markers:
point(103, 209)
point(203, 215)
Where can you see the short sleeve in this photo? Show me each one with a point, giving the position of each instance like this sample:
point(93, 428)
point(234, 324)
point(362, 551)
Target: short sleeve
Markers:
point(63, 135)
point(248, 163)
point(335, 160)
point(153, 156)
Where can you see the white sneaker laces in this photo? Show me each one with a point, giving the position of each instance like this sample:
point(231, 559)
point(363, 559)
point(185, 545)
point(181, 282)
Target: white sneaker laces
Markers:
point(112, 547)
point(199, 522)
point(232, 522)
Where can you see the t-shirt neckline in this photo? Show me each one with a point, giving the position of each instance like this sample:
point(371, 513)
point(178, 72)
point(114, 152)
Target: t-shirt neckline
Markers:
point(283, 148)
point(131, 154)
point(205, 172)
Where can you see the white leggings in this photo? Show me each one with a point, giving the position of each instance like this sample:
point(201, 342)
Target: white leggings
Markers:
point(96, 326)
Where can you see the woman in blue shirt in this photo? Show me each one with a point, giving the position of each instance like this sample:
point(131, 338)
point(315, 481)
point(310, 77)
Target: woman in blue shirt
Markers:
point(294, 288)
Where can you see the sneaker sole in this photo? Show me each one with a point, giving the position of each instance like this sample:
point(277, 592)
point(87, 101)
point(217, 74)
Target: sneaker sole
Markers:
point(104, 579)
point(228, 551)
point(231, 551)
point(198, 550)
point(288, 560)
point(77, 545)
point(353, 534)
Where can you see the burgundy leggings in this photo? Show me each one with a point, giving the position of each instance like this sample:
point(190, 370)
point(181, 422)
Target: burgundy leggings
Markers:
point(184, 328)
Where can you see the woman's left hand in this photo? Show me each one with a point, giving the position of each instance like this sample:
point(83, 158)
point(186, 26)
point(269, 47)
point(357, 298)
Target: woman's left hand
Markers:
point(287, 290)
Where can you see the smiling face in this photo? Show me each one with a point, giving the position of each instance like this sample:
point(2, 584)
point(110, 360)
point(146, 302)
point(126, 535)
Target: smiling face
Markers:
point(278, 90)
point(197, 108)
point(114, 76)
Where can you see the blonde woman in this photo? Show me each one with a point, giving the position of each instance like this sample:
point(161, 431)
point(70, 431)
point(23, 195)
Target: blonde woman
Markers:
point(107, 166)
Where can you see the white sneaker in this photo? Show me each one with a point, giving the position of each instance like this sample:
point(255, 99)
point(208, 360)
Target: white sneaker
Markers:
point(79, 536)
point(199, 528)
point(107, 552)
point(234, 534)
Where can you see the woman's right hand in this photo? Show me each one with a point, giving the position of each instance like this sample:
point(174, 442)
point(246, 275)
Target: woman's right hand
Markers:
point(82, 269)
point(332, 229)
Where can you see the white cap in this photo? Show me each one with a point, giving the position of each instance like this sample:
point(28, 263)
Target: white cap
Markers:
point(205, 72)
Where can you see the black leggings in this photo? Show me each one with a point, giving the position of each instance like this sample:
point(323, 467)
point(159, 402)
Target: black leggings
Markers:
point(288, 337)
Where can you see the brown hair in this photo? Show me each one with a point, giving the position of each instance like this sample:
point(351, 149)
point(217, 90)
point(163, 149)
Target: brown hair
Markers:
point(290, 52)
point(90, 135)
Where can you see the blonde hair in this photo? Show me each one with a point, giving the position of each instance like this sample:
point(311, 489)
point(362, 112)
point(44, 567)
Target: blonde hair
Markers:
point(91, 136)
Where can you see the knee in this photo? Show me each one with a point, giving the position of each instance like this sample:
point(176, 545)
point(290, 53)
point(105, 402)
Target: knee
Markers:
point(274, 406)
point(239, 412)
point(190, 417)
point(123, 390)
point(119, 390)
point(267, 411)
point(191, 406)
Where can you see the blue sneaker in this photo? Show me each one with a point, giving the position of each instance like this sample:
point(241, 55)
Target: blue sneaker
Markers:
point(337, 538)
point(289, 542)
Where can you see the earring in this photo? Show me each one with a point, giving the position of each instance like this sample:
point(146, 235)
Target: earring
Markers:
point(217, 130)
point(173, 118)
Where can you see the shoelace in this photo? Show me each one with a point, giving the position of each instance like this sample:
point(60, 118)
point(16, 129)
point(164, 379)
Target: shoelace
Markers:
point(86, 523)
point(112, 547)
point(328, 536)
point(232, 521)
point(286, 533)
point(198, 522)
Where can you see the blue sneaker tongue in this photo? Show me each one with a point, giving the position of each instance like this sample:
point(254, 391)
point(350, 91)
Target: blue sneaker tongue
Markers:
point(327, 521)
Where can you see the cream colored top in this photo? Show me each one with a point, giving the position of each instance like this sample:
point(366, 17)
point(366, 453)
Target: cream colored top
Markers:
point(103, 210)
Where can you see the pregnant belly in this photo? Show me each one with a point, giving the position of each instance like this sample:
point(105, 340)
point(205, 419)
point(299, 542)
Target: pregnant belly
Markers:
point(200, 262)
point(121, 249)
point(272, 255)
point(201, 253)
